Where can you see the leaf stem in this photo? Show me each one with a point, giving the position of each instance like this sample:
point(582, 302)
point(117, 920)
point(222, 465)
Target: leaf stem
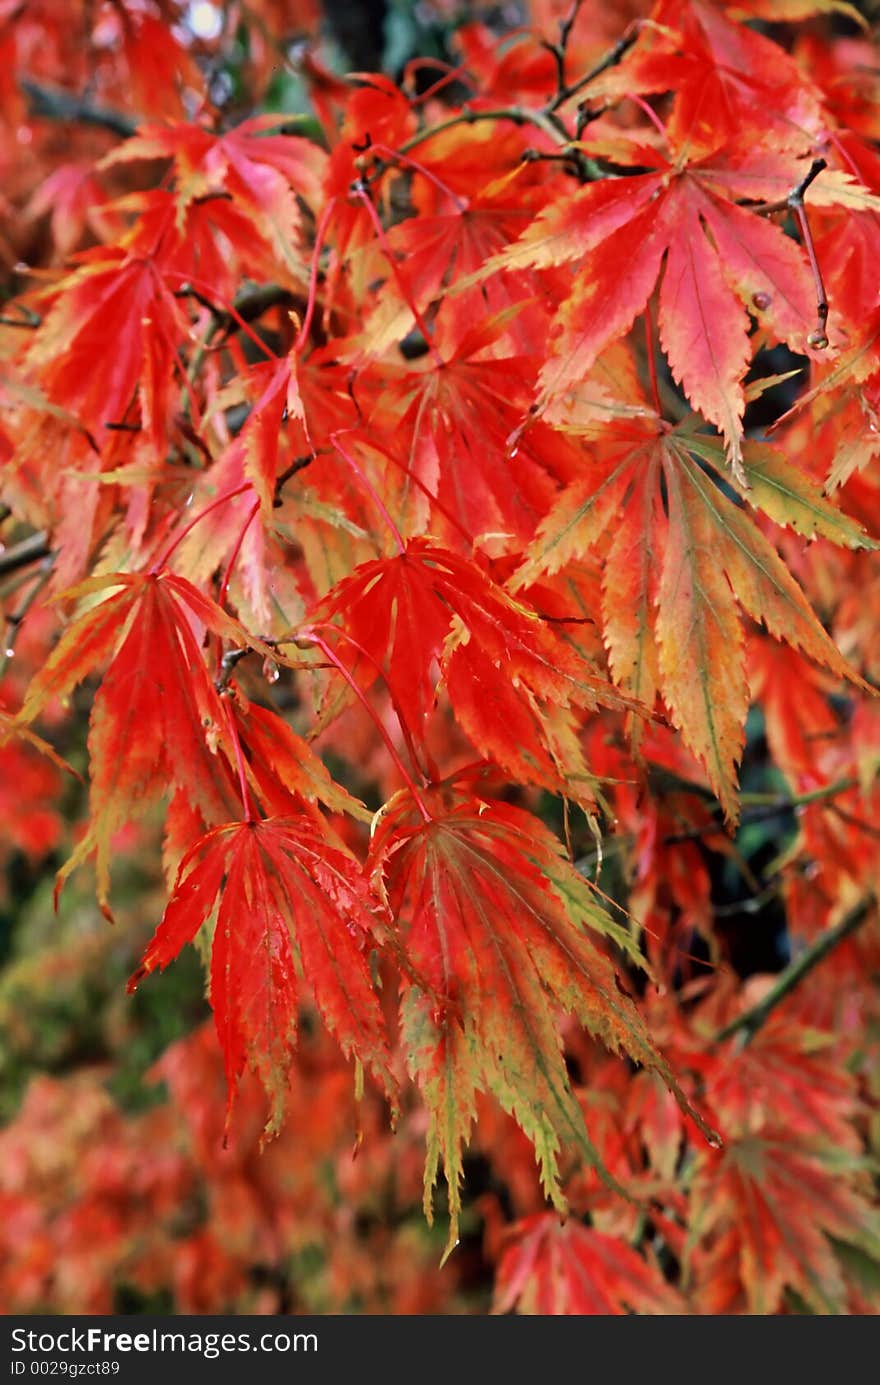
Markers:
point(818, 338)
point(246, 800)
point(397, 156)
point(161, 561)
point(337, 663)
point(404, 729)
point(362, 194)
point(320, 233)
point(450, 74)
point(434, 500)
point(224, 586)
point(371, 491)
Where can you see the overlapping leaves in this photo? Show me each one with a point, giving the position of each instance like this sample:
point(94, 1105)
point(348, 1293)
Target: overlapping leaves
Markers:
point(500, 931)
point(681, 555)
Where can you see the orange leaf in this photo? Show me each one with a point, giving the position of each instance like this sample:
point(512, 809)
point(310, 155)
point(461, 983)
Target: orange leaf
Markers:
point(500, 932)
point(153, 709)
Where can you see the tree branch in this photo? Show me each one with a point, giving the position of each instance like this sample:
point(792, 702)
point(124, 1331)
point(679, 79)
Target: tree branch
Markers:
point(611, 59)
point(794, 202)
point(763, 807)
point(545, 120)
point(53, 103)
point(750, 1021)
point(560, 50)
point(30, 550)
point(517, 115)
point(15, 618)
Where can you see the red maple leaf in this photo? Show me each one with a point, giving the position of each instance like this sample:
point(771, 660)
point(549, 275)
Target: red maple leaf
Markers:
point(155, 706)
point(293, 903)
point(553, 1268)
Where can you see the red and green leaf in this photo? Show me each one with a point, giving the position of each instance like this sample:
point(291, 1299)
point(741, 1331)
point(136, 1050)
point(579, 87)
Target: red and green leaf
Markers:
point(293, 906)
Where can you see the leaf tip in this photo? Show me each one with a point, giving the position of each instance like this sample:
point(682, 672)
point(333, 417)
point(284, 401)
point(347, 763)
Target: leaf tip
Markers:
point(136, 978)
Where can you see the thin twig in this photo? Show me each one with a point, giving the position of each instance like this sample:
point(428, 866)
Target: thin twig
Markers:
point(800, 800)
point(794, 202)
point(750, 1021)
point(545, 120)
point(611, 59)
point(764, 807)
point(298, 464)
point(15, 618)
point(795, 198)
point(560, 50)
point(818, 338)
point(227, 666)
point(26, 318)
point(517, 115)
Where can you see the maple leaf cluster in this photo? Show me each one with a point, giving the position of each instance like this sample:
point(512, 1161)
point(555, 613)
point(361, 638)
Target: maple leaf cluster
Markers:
point(440, 524)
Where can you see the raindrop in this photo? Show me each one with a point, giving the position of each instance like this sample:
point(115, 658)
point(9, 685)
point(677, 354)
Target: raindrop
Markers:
point(10, 653)
point(817, 340)
point(271, 671)
point(761, 300)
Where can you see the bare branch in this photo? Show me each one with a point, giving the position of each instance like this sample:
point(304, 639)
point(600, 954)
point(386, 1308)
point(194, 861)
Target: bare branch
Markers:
point(30, 550)
point(794, 202)
point(611, 59)
point(53, 103)
point(750, 1021)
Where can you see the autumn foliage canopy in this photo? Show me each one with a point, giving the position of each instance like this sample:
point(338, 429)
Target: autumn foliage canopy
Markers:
point(439, 517)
